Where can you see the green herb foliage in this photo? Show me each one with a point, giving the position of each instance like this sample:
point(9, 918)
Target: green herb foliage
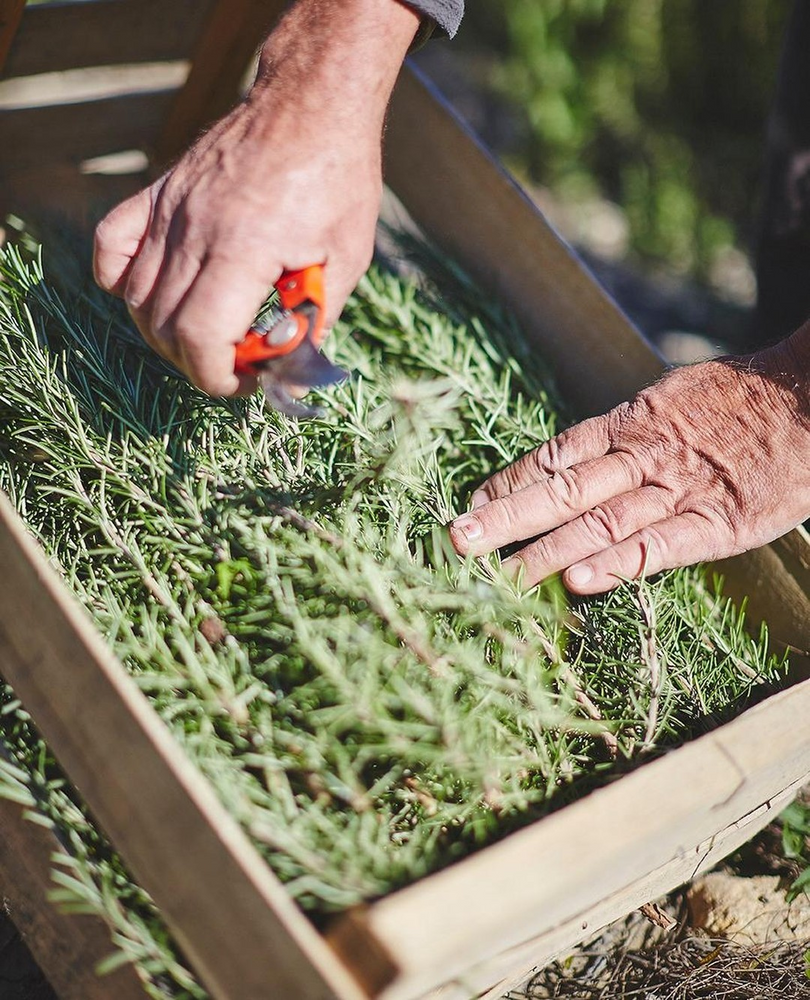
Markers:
point(796, 843)
point(367, 707)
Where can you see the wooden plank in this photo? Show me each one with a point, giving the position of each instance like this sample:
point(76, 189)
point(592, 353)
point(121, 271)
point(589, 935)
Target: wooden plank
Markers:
point(66, 948)
point(76, 132)
point(11, 12)
point(229, 40)
point(462, 198)
point(71, 35)
point(510, 969)
point(622, 845)
point(794, 552)
point(233, 919)
point(764, 582)
point(61, 191)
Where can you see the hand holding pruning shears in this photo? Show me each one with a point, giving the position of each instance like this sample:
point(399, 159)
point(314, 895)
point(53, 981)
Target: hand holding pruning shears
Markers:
point(291, 177)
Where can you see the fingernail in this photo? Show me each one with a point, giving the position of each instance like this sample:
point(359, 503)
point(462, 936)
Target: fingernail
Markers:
point(470, 526)
point(479, 498)
point(579, 576)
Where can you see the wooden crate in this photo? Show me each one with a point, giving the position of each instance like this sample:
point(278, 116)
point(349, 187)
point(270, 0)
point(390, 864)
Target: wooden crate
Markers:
point(479, 927)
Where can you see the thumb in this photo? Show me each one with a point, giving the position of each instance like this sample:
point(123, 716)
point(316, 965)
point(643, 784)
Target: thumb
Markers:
point(118, 241)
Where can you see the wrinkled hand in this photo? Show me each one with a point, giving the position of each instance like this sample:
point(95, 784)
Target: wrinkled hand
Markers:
point(291, 177)
point(709, 462)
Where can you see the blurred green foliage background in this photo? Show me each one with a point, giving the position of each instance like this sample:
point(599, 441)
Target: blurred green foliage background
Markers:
point(657, 105)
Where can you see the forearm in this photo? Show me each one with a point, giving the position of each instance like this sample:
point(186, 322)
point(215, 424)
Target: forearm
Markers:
point(345, 54)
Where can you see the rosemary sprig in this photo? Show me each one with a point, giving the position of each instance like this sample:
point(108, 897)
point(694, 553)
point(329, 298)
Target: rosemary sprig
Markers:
point(368, 708)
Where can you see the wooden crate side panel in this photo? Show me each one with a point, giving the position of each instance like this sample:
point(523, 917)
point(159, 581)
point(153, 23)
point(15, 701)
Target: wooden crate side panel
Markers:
point(67, 948)
point(462, 199)
point(81, 131)
point(237, 925)
point(65, 36)
point(11, 12)
point(512, 968)
point(555, 871)
point(233, 32)
point(61, 191)
point(763, 582)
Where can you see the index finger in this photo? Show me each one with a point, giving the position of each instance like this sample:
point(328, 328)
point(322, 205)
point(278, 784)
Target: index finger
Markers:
point(581, 443)
point(543, 506)
point(212, 318)
point(118, 240)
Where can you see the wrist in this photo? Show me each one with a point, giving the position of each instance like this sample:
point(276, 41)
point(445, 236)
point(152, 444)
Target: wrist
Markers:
point(796, 349)
point(337, 58)
point(786, 369)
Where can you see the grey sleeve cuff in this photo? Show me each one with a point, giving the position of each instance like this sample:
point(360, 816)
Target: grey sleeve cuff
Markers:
point(446, 14)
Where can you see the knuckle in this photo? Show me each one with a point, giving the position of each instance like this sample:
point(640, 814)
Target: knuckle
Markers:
point(514, 477)
point(104, 234)
point(526, 566)
point(186, 340)
point(136, 296)
point(540, 553)
point(548, 457)
point(501, 515)
point(565, 488)
point(652, 542)
point(603, 524)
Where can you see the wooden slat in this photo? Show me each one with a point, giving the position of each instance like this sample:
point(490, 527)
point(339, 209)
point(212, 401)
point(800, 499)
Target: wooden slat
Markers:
point(76, 132)
point(64, 36)
point(763, 581)
point(11, 12)
point(233, 919)
point(461, 197)
point(229, 40)
point(510, 969)
point(67, 948)
point(794, 551)
point(62, 191)
point(598, 858)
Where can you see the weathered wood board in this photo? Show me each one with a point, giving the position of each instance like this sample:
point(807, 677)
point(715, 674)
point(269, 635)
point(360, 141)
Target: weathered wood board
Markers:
point(67, 948)
point(562, 878)
point(63, 36)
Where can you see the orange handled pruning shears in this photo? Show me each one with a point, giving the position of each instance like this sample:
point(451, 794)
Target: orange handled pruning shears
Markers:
point(283, 348)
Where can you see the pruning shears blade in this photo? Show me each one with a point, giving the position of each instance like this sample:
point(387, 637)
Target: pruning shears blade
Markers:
point(283, 349)
point(287, 379)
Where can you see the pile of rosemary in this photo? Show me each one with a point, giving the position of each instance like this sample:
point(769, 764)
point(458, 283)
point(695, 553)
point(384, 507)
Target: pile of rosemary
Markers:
point(368, 707)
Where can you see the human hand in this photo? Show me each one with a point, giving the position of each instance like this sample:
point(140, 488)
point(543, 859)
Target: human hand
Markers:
point(291, 177)
point(709, 462)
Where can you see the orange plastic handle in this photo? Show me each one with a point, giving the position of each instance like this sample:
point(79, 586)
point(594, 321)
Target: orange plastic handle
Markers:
point(301, 293)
